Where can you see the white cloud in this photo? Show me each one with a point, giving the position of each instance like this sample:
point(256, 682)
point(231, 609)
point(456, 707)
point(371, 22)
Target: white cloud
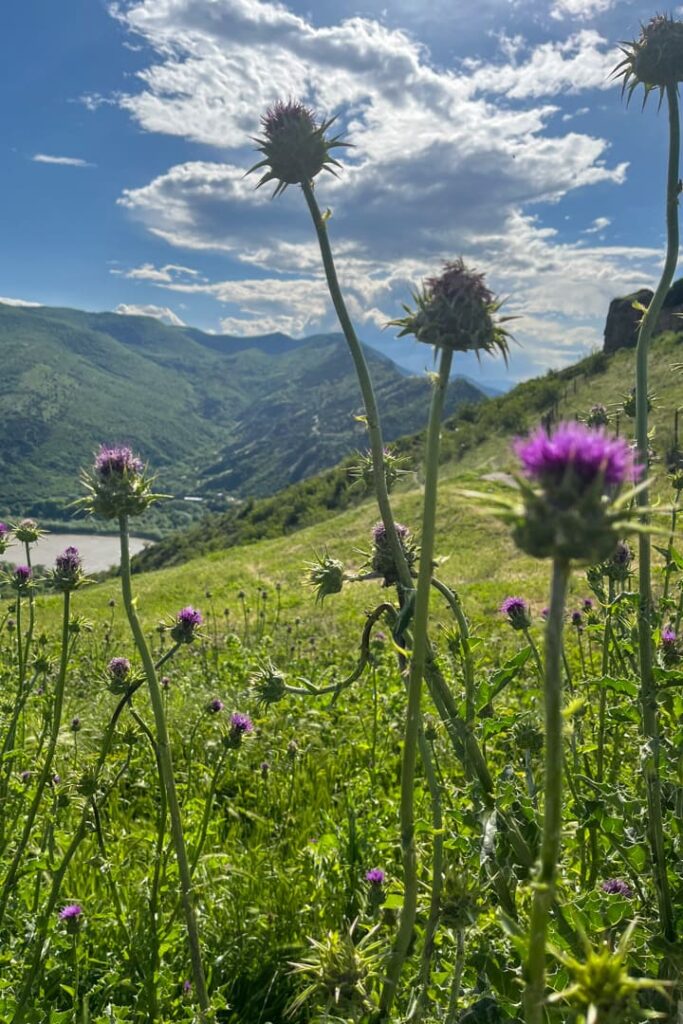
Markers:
point(157, 275)
point(162, 313)
point(62, 161)
point(582, 9)
point(599, 224)
point(446, 162)
point(18, 302)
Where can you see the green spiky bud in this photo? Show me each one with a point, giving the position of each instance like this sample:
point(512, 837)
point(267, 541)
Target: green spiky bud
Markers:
point(325, 575)
point(655, 60)
point(294, 146)
point(268, 684)
point(456, 310)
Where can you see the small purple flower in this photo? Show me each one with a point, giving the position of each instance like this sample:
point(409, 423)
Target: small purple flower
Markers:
point(25, 776)
point(116, 460)
point(379, 532)
point(22, 574)
point(517, 611)
point(573, 448)
point(265, 769)
point(69, 561)
point(588, 604)
point(375, 876)
point(119, 668)
point(241, 723)
point(577, 619)
point(187, 987)
point(4, 530)
point(214, 706)
point(75, 724)
point(617, 887)
point(545, 612)
point(668, 637)
point(72, 916)
point(187, 622)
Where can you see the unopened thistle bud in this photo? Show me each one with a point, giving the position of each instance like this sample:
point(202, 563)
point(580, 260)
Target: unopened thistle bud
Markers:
point(27, 531)
point(117, 484)
point(294, 146)
point(655, 60)
point(574, 476)
point(325, 575)
point(268, 684)
point(381, 556)
point(456, 310)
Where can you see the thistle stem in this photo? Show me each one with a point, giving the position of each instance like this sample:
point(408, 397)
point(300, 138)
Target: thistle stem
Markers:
point(45, 774)
point(166, 767)
point(544, 890)
point(367, 390)
point(648, 689)
point(417, 667)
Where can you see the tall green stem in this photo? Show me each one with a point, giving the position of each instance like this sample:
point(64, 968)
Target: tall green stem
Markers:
point(367, 390)
point(46, 773)
point(417, 667)
point(166, 765)
point(648, 689)
point(544, 890)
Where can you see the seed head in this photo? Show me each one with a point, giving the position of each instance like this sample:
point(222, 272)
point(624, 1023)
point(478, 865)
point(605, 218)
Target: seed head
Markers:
point(294, 146)
point(655, 59)
point(456, 310)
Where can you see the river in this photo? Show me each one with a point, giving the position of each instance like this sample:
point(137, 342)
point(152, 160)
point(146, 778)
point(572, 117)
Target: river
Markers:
point(98, 551)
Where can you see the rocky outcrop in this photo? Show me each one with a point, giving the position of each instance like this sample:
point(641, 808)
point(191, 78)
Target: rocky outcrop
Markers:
point(621, 326)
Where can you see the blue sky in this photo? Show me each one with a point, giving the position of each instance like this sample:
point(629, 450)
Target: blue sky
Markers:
point(482, 128)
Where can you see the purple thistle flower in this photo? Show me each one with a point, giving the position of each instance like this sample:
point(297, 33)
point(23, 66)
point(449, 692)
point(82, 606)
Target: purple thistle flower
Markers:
point(241, 723)
point(545, 612)
point(4, 530)
point(187, 621)
point(577, 619)
point(75, 724)
point(187, 987)
point(668, 637)
point(375, 876)
point(617, 887)
point(622, 554)
point(587, 604)
point(119, 668)
point(586, 453)
point(379, 532)
point(517, 611)
point(22, 574)
point(116, 460)
point(69, 562)
point(70, 912)
point(214, 706)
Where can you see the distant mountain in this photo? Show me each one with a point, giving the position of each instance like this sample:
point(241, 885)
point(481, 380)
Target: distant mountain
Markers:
point(219, 417)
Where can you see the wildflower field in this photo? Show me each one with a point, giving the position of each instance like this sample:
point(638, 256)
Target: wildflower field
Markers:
point(418, 762)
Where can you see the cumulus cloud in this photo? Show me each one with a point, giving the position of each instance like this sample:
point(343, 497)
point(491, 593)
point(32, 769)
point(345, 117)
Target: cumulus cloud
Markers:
point(446, 161)
point(599, 224)
point(162, 313)
point(61, 161)
point(157, 275)
point(581, 9)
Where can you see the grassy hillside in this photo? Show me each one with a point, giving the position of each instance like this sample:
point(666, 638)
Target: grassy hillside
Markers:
point(218, 417)
point(475, 439)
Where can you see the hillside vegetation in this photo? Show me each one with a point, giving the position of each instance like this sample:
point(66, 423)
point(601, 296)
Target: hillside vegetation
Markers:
point(219, 418)
point(476, 438)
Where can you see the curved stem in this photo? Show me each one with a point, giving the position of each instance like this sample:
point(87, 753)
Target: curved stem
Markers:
point(544, 890)
point(417, 668)
point(166, 766)
point(648, 690)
